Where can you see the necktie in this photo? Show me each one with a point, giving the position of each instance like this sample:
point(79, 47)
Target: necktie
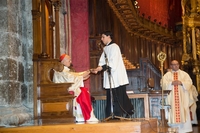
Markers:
point(176, 100)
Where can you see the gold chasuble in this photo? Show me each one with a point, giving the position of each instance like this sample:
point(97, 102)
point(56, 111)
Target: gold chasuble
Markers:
point(178, 100)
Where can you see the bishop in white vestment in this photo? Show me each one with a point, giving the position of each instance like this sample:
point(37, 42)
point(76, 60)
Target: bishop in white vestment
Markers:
point(82, 108)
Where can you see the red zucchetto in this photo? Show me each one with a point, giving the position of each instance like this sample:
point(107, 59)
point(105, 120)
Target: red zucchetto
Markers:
point(62, 57)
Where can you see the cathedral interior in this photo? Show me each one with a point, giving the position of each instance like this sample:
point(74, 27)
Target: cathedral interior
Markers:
point(34, 33)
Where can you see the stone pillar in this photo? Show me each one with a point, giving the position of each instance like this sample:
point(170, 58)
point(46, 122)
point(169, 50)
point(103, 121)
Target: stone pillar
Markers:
point(15, 62)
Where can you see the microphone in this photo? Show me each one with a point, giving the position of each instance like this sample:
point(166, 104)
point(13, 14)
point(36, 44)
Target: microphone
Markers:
point(100, 46)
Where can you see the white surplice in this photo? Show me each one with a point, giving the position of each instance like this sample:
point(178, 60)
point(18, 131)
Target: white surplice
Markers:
point(184, 101)
point(115, 62)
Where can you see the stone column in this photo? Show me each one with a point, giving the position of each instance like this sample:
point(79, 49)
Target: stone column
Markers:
point(15, 62)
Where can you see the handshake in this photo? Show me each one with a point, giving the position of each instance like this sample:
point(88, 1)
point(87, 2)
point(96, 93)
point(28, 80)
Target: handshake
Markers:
point(96, 70)
point(93, 70)
point(86, 74)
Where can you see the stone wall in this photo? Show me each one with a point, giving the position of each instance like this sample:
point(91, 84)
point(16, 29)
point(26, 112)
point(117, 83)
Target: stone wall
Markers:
point(16, 50)
point(16, 76)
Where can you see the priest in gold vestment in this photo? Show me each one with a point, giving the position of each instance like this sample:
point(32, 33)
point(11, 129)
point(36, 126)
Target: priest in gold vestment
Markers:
point(180, 83)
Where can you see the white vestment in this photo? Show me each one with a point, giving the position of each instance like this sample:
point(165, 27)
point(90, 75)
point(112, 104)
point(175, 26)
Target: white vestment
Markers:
point(193, 94)
point(77, 80)
point(183, 103)
point(115, 62)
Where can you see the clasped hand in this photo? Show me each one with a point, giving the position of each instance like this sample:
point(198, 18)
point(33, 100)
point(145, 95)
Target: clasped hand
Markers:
point(176, 82)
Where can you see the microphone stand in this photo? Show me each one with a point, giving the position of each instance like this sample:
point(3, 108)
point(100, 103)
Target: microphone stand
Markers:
point(112, 116)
